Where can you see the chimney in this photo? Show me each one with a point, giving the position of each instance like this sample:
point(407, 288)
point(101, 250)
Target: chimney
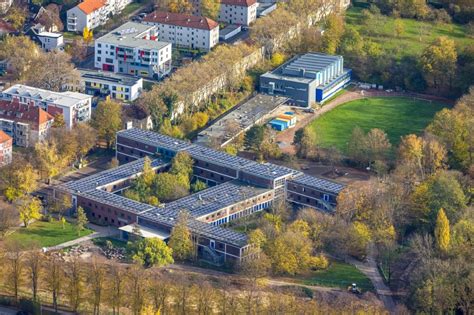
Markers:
point(302, 72)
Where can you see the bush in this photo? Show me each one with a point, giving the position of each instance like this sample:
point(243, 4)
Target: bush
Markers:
point(318, 262)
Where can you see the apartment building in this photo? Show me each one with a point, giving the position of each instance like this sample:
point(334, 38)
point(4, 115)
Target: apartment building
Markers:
point(238, 187)
point(134, 49)
point(240, 12)
point(106, 84)
point(185, 30)
point(6, 149)
point(93, 13)
point(75, 107)
point(26, 124)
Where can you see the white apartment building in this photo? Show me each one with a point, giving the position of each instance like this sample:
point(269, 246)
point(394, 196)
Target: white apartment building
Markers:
point(185, 30)
point(75, 107)
point(133, 49)
point(51, 41)
point(240, 12)
point(93, 13)
point(107, 84)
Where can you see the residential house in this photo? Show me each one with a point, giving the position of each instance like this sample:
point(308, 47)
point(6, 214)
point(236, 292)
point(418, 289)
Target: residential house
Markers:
point(73, 106)
point(240, 12)
point(185, 30)
point(93, 13)
point(26, 124)
point(134, 49)
point(48, 41)
point(133, 116)
point(6, 148)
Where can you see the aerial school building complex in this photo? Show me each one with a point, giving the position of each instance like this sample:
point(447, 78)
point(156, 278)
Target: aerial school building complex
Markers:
point(237, 187)
point(308, 78)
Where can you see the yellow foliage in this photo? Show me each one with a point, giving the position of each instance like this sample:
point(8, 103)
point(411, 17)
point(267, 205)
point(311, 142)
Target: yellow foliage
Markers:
point(318, 262)
point(277, 59)
point(442, 233)
point(300, 226)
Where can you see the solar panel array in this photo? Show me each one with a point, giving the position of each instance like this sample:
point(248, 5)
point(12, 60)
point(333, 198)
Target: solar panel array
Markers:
point(269, 170)
point(155, 139)
point(211, 199)
point(121, 172)
point(318, 183)
point(117, 201)
point(219, 157)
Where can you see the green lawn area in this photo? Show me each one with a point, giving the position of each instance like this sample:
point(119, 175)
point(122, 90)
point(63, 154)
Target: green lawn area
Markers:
point(411, 42)
point(338, 274)
point(396, 116)
point(46, 234)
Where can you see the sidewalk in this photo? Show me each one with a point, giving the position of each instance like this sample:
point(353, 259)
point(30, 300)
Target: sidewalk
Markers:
point(370, 269)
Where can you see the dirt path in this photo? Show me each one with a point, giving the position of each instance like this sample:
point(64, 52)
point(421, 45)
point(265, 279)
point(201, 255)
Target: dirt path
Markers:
point(288, 135)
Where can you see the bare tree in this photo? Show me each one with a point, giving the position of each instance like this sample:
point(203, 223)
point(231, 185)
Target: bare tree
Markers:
point(159, 291)
point(33, 265)
point(116, 287)
point(54, 277)
point(8, 219)
point(96, 277)
point(14, 260)
point(75, 288)
point(136, 288)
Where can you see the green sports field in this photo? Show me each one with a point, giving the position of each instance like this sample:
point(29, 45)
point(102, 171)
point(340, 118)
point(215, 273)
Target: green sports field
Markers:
point(396, 116)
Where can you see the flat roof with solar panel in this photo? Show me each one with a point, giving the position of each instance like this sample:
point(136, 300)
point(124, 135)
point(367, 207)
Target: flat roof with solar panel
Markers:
point(200, 204)
point(270, 170)
point(106, 177)
point(319, 183)
point(154, 139)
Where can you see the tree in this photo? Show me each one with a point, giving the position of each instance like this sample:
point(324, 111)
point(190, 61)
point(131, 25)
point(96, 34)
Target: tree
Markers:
point(96, 276)
point(52, 71)
point(74, 272)
point(59, 121)
point(77, 49)
point(20, 52)
point(377, 145)
point(254, 137)
point(49, 161)
point(334, 29)
point(198, 186)
point(116, 283)
point(305, 141)
point(14, 265)
point(81, 220)
point(18, 179)
point(16, 16)
point(356, 146)
point(410, 152)
point(182, 165)
point(152, 251)
point(8, 219)
point(29, 209)
point(33, 262)
point(50, 18)
point(87, 35)
point(399, 28)
point(177, 6)
point(210, 8)
point(442, 234)
point(180, 241)
point(277, 59)
point(438, 62)
point(54, 278)
point(86, 138)
point(107, 120)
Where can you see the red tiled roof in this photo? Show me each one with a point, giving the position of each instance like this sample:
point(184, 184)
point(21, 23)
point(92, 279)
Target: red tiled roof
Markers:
point(23, 113)
point(180, 19)
point(242, 3)
point(89, 6)
point(4, 137)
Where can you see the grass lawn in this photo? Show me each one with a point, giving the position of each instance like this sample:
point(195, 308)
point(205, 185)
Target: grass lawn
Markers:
point(338, 274)
point(413, 40)
point(101, 242)
point(396, 116)
point(47, 234)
